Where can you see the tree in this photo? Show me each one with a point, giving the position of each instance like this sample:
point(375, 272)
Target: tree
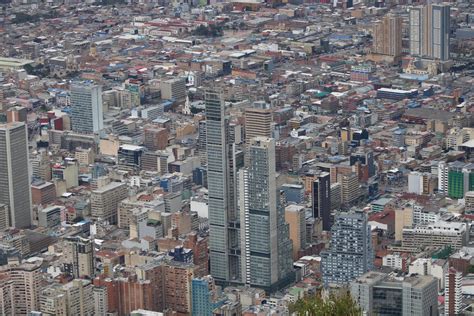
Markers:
point(337, 304)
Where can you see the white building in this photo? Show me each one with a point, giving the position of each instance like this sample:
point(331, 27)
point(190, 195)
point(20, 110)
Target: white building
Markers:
point(427, 266)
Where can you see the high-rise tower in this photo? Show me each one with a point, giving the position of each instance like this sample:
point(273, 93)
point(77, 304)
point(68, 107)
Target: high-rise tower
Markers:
point(350, 254)
point(222, 165)
point(86, 108)
point(266, 246)
point(14, 173)
point(429, 31)
point(388, 36)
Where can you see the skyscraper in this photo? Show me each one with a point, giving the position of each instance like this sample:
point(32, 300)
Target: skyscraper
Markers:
point(322, 199)
point(388, 36)
point(86, 108)
point(14, 173)
point(266, 247)
point(350, 254)
point(205, 296)
point(429, 31)
point(224, 226)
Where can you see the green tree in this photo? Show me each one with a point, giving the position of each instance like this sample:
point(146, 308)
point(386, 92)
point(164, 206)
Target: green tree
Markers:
point(337, 304)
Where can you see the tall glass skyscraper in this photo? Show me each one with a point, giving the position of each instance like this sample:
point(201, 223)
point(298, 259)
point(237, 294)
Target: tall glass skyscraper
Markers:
point(350, 254)
point(86, 107)
point(222, 164)
point(14, 174)
point(266, 247)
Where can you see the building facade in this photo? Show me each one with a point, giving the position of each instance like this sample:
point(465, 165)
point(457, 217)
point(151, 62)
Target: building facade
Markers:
point(86, 108)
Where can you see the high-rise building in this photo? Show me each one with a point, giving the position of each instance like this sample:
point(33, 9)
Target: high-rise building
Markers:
point(460, 179)
point(14, 173)
point(23, 283)
point(349, 187)
point(429, 31)
point(388, 36)
point(295, 216)
point(79, 257)
point(258, 122)
point(350, 253)
point(453, 292)
point(365, 157)
point(378, 293)
point(105, 200)
point(224, 231)
point(205, 296)
point(321, 196)
point(201, 143)
point(86, 108)
point(266, 247)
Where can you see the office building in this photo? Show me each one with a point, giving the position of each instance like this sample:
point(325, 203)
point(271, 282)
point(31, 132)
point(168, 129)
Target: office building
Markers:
point(266, 246)
point(201, 142)
point(86, 108)
point(173, 89)
point(321, 199)
point(156, 161)
point(155, 138)
point(4, 217)
point(350, 253)
point(388, 36)
point(350, 190)
point(105, 200)
point(224, 243)
point(428, 266)
point(365, 157)
point(49, 216)
point(437, 234)
point(43, 192)
point(79, 254)
point(378, 293)
point(453, 292)
point(258, 122)
point(206, 296)
point(460, 179)
point(41, 167)
point(14, 173)
point(294, 193)
point(295, 216)
point(130, 156)
point(429, 31)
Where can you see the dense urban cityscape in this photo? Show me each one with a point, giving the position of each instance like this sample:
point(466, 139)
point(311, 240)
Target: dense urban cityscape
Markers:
point(245, 157)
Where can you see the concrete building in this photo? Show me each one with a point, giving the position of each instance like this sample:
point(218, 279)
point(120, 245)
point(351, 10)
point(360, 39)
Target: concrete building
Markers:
point(79, 253)
point(428, 266)
point(86, 108)
point(43, 193)
point(49, 216)
point(173, 89)
point(453, 292)
point(80, 297)
point(22, 285)
point(379, 294)
point(349, 187)
point(295, 216)
point(258, 122)
point(53, 301)
point(437, 235)
point(105, 200)
point(344, 261)
point(155, 138)
point(14, 173)
point(265, 243)
point(388, 36)
point(68, 171)
point(429, 31)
